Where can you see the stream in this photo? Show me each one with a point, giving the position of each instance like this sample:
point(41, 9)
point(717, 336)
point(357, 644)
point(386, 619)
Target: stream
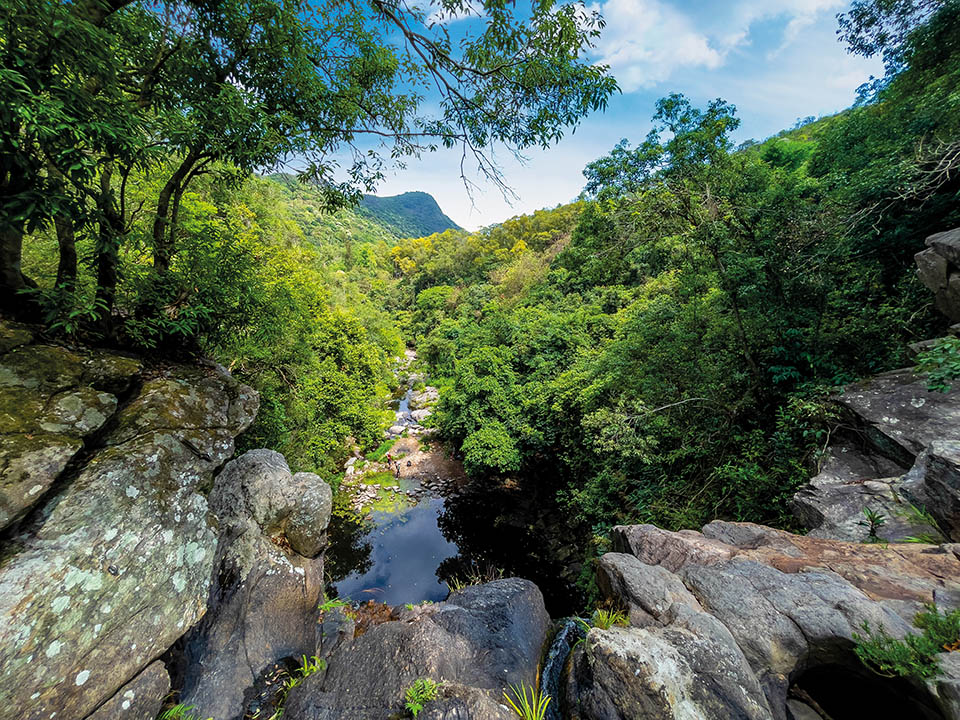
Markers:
point(407, 534)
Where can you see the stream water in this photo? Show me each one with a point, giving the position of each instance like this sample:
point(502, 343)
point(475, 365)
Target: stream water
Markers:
point(442, 527)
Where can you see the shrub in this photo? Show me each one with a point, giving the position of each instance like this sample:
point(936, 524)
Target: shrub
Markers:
point(916, 655)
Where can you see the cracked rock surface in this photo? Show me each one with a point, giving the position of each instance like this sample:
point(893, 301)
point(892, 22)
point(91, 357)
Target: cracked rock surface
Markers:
point(728, 622)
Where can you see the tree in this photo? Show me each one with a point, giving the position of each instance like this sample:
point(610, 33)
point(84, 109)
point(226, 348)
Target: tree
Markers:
point(104, 90)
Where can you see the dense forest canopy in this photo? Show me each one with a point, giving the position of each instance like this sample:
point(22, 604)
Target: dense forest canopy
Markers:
point(658, 350)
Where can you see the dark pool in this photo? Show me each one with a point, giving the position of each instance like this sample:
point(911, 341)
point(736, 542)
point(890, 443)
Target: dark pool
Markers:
point(405, 550)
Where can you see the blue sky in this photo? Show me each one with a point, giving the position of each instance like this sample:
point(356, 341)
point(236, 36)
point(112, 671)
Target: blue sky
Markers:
point(776, 60)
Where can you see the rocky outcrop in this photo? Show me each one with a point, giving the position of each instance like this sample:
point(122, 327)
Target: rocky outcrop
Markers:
point(51, 400)
point(740, 620)
point(896, 457)
point(478, 642)
point(268, 580)
point(938, 268)
point(110, 561)
point(139, 699)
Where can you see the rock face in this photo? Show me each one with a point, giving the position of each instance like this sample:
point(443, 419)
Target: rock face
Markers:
point(267, 580)
point(938, 268)
point(111, 559)
point(478, 642)
point(899, 456)
point(51, 400)
point(734, 621)
point(139, 699)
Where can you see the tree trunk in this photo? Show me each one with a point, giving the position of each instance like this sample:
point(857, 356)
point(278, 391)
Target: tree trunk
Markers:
point(112, 229)
point(11, 276)
point(67, 267)
point(163, 241)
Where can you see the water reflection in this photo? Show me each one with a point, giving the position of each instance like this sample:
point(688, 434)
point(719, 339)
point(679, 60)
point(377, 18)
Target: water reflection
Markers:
point(406, 549)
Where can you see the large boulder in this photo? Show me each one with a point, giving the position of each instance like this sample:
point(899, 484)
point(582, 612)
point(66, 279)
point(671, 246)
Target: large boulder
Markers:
point(113, 562)
point(52, 400)
point(267, 584)
point(477, 643)
point(740, 619)
point(938, 268)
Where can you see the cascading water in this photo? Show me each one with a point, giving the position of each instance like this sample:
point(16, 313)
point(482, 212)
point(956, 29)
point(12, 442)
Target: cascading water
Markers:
point(571, 630)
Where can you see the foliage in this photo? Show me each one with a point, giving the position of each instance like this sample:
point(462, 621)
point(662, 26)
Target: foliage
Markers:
point(421, 692)
point(180, 712)
point(605, 619)
point(942, 363)
point(916, 655)
point(412, 214)
point(529, 703)
point(873, 521)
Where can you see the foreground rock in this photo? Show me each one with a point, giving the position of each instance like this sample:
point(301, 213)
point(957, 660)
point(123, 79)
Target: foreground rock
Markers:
point(113, 561)
point(477, 643)
point(268, 580)
point(736, 621)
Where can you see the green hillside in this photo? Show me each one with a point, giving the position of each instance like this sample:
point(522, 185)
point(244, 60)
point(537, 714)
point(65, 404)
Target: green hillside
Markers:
point(412, 214)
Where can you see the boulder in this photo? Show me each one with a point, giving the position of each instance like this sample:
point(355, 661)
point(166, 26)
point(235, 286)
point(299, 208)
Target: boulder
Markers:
point(478, 642)
point(139, 699)
point(267, 580)
point(738, 619)
point(114, 564)
point(938, 268)
point(52, 400)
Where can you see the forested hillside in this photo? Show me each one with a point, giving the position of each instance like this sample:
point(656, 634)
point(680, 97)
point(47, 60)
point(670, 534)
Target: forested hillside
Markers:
point(656, 351)
point(412, 214)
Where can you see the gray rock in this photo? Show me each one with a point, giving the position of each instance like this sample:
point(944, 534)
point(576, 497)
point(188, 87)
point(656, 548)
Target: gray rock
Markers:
point(786, 603)
point(263, 603)
point(900, 417)
point(938, 268)
point(117, 563)
point(51, 400)
point(947, 245)
point(691, 668)
point(139, 699)
point(478, 642)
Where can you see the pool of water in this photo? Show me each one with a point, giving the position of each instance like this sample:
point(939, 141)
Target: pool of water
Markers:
point(406, 548)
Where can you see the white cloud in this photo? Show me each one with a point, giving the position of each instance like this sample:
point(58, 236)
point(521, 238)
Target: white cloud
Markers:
point(647, 42)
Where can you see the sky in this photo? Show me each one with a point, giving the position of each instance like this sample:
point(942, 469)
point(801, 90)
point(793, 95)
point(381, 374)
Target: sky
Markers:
point(776, 60)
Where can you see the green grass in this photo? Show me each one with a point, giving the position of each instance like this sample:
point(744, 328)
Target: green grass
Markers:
point(331, 604)
point(916, 655)
point(308, 666)
point(420, 693)
point(180, 712)
point(529, 703)
point(381, 452)
point(606, 619)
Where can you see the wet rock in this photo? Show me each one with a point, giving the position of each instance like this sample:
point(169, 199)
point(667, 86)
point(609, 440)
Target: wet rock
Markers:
point(263, 603)
point(717, 615)
point(139, 699)
point(478, 642)
point(116, 564)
